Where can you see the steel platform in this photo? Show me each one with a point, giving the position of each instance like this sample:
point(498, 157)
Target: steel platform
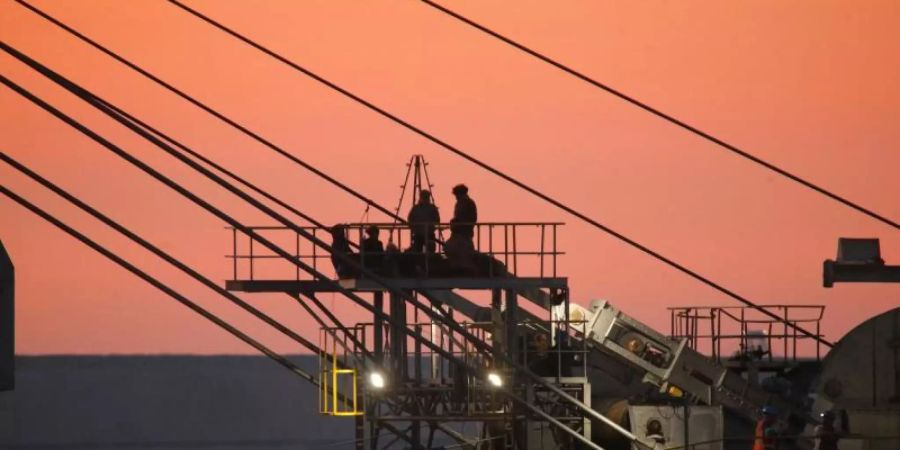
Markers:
point(419, 284)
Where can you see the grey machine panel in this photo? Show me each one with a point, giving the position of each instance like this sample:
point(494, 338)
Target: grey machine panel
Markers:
point(706, 425)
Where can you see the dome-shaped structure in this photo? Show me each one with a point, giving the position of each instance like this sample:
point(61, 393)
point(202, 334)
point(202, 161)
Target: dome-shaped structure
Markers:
point(861, 374)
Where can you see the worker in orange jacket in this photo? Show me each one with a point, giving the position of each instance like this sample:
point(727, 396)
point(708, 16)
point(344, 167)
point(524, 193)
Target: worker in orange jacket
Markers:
point(766, 436)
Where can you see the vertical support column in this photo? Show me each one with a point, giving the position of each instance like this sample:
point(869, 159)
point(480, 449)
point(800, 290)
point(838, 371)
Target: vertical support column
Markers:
point(417, 370)
point(378, 328)
point(374, 431)
point(401, 334)
point(498, 341)
point(512, 311)
point(532, 428)
point(417, 373)
point(398, 339)
point(518, 430)
point(370, 403)
point(360, 428)
point(7, 322)
point(416, 435)
point(497, 336)
point(687, 421)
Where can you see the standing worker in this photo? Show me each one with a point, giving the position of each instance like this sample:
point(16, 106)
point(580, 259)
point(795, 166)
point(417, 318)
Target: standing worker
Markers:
point(459, 248)
point(827, 435)
point(766, 436)
point(465, 213)
point(423, 219)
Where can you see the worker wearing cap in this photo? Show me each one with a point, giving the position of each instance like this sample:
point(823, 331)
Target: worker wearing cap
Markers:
point(766, 436)
point(460, 249)
point(465, 213)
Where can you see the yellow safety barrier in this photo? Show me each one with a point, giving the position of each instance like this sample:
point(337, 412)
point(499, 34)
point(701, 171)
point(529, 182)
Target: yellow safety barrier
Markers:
point(336, 410)
point(330, 402)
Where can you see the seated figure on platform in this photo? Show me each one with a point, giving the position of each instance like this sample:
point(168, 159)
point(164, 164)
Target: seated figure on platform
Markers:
point(372, 250)
point(341, 254)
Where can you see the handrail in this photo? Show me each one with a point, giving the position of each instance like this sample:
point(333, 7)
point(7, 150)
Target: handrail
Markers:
point(712, 326)
point(500, 242)
point(387, 225)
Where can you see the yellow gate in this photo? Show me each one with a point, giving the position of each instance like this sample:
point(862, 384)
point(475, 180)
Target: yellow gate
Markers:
point(337, 396)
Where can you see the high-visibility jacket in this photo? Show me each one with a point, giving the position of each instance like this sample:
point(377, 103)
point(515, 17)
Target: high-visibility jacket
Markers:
point(765, 435)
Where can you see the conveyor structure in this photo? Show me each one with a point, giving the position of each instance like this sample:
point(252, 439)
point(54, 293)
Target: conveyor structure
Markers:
point(667, 363)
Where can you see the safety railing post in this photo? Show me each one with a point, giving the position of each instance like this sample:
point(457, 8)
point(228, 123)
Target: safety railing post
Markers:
point(515, 251)
point(234, 253)
point(541, 256)
point(784, 325)
point(672, 323)
point(251, 256)
point(795, 339)
point(818, 344)
point(315, 257)
point(478, 237)
point(744, 339)
point(491, 247)
point(429, 240)
point(718, 327)
point(506, 245)
point(554, 251)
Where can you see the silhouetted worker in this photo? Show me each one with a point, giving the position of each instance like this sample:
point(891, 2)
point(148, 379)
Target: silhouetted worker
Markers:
point(340, 251)
point(766, 435)
point(372, 250)
point(423, 218)
point(465, 213)
point(459, 248)
point(827, 435)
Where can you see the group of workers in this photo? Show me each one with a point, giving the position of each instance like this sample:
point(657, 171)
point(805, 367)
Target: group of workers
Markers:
point(768, 434)
point(827, 434)
point(423, 221)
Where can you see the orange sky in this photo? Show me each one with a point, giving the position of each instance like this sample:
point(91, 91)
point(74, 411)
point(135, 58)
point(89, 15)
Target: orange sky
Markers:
point(808, 85)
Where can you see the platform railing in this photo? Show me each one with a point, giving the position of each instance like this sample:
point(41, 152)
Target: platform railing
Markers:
point(527, 249)
point(735, 332)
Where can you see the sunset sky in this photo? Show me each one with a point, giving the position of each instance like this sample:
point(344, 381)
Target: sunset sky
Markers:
point(808, 85)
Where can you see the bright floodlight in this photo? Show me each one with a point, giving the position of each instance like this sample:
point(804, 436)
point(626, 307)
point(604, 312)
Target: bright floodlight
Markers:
point(494, 379)
point(376, 380)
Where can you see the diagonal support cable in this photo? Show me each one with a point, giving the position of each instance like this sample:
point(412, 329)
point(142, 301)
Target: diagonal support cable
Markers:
point(159, 252)
point(87, 96)
point(405, 124)
point(255, 136)
point(159, 285)
point(666, 117)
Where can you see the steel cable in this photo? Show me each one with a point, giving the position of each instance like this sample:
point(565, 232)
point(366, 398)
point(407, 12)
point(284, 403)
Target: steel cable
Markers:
point(656, 112)
point(683, 269)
